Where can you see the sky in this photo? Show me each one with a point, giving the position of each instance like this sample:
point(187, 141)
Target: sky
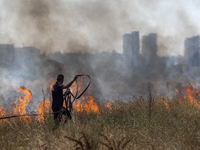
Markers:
point(96, 25)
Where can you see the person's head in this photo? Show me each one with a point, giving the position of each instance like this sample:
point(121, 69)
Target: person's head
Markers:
point(60, 78)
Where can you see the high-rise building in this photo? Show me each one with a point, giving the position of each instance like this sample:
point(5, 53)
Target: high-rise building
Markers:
point(192, 50)
point(149, 47)
point(131, 48)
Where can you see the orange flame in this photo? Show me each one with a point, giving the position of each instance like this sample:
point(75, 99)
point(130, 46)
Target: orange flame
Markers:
point(164, 102)
point(108, 105)
point(85, 103)
point(43, 108)
point(51, 83)
point(22, 102)
point(190, 95)
point(88, 104)
point(2, 112)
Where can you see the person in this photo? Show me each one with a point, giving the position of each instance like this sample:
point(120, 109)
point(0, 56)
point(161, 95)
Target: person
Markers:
point(57, 103)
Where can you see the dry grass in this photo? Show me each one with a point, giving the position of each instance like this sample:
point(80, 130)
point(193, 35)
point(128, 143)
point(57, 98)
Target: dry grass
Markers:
point(114, 145)
point(126, 126)
point(83, 142)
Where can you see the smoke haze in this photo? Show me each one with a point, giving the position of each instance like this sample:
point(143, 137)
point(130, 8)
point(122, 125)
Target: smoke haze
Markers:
point(72, 37)
point(96, 26)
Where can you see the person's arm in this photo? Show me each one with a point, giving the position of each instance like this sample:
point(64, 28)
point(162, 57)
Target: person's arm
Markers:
point(70, 83)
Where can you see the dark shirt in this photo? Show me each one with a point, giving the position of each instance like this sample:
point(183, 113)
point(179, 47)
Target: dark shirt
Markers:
point(57, 95)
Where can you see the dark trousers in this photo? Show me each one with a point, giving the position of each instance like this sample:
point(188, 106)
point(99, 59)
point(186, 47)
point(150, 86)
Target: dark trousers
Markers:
point(58, 115)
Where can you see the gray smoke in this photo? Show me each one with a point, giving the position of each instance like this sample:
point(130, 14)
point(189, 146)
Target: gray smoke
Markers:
point(96, 26)
point(72, 37)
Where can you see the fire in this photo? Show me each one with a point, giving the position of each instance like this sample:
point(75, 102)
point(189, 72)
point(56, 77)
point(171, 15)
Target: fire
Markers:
point(190, 95)
point(79, 84)
point(2, 112)
point(91, 105)
point(85, 103)
point(51, 83)
point(190, 92)
point(166, 105)
point(108, 105)
point(21, 103)
point(88, 104)
point(43, 108)
point(164, 102)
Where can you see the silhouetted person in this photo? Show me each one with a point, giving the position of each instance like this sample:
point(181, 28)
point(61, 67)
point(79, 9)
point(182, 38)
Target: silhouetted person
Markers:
point(57, 104)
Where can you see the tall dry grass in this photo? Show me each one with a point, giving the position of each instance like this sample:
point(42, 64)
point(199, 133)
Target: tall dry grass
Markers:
point(125, 126)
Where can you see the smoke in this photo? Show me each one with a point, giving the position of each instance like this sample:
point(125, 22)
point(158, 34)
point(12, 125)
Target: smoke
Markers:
point(72, 37)
point(96, 26)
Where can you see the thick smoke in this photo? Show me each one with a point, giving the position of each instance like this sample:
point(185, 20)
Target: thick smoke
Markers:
point(71, 37)
point(96, 26)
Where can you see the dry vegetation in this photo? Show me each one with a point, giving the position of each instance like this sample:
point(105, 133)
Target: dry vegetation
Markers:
point(130, 124)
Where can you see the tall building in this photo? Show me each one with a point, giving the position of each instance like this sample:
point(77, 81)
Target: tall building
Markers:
point(192, 50)
point(131, 48)
point(149, 47)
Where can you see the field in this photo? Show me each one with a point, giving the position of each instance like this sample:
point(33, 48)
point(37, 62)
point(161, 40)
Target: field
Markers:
point(132, 124)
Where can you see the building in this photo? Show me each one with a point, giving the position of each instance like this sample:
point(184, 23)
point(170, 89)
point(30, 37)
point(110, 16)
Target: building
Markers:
point(192, 49)
point(149, 48)
point(131, 48)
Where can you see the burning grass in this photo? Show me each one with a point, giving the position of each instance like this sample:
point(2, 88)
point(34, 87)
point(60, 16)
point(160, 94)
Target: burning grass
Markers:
point(155, 123)
point(122, 125)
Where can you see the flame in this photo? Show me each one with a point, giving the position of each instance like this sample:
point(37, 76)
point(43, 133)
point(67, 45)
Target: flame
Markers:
point(164, 102)
point(21, 103)
point(190, 92)
point(190, 95)
point(108, 105)
point(91, 105)
point(51, 83)
point(86, 103)
point(2, 112)
point(79, 84)
point(43, 108)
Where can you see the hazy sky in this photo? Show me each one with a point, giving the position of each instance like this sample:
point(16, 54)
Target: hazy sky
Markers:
point(97, 25)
